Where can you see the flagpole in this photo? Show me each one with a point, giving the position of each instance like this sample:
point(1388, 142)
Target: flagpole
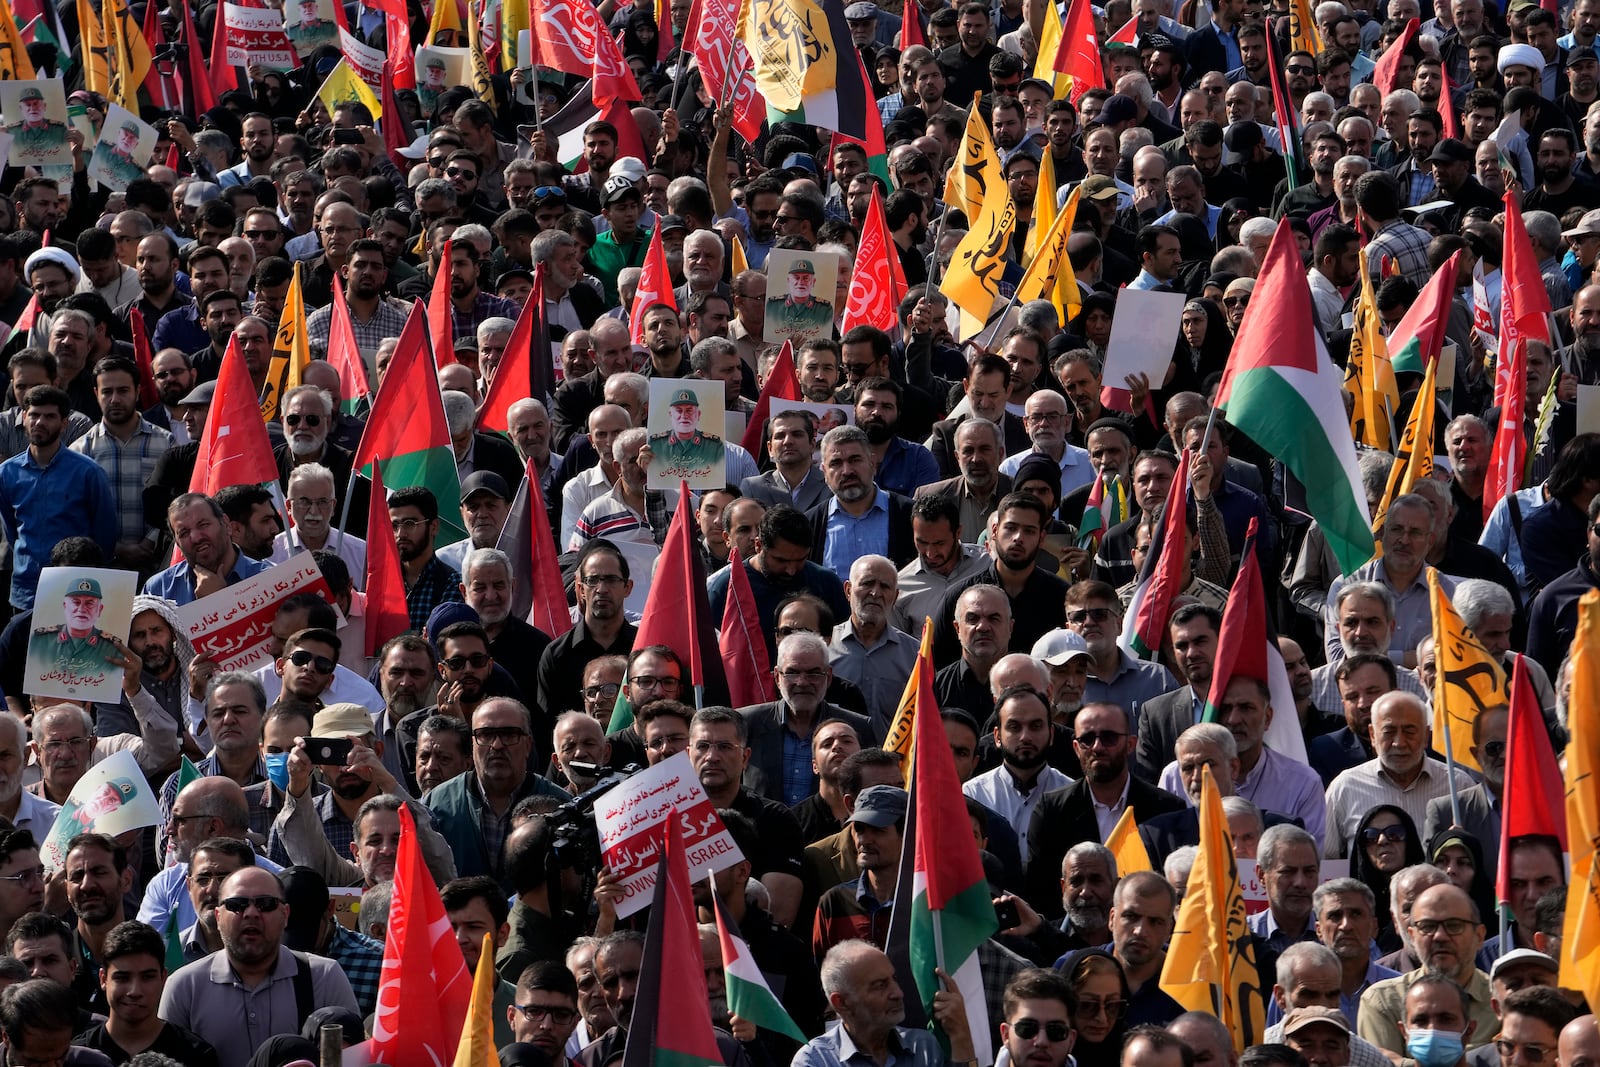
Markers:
point(1003, 313)
point(344, 513)
point(933, 256)
point(1205, 439)
point(1450, 761)
point(538, 120)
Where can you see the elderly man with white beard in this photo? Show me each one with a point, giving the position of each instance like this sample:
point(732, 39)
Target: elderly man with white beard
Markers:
point(307, 415)
point(514, 644)
point(702, 267)
point(311, 496)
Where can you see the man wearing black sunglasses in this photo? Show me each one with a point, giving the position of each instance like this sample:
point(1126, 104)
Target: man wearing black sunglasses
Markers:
point(258, 988)
point(308, 662)
point(1037, 1029)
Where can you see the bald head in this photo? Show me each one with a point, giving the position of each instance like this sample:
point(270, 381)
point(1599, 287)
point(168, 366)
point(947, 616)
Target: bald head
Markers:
point(1018, 668)
point(1579, 1043)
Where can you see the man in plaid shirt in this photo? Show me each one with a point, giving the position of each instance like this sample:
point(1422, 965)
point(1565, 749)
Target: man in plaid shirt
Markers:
point(126, 447)
point(414, 513)
point(312, 928)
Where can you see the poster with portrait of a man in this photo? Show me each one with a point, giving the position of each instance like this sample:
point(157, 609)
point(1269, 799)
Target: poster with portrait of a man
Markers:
point(77, 642)
point(800, 291)
point(123, 150)
point(310, 25)
point(438, 68)
point(34, 114)
point(685, 445)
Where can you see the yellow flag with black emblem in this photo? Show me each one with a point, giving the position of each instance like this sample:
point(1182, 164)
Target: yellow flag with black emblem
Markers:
point(1303, 33)
point(1580, 933)
point(478, 66)
point(1211, 960)
point(291, 351)
point(979, 264)
point(902, 730)
point(127, 53)
point(1468, 680)
point(1049, 275)
point(792, 48)
point(92, 46)
point(1414, 459)
point(976, 169)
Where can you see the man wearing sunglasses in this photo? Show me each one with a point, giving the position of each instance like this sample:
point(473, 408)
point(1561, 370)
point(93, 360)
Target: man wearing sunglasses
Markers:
point(1037, 1028)
point(255, 987)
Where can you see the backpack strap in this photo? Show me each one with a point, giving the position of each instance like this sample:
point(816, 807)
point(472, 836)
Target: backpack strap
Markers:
point(305, 1001)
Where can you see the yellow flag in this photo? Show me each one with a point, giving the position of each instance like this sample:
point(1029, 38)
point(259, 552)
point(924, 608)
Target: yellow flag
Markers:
point(792, 50)
point(119, 66)
point(478, 66)
point(96, 73)
point(1469, 680)
point(1044, 208)
point(1303, 33)
point(1050, 273)
point(979, 262)
point(1414, 459)
point(1126, 844)
point(902, 734)
point(1211, 961)
point(514, 18)
point(977, 168)
point(1049, 40)
point(1580, 933)
point(1369, 376)
point(127, 49)
point(477, 1036)
point(446, 16)
point(740, 262)
point(14, 62)
point(344, 84)
point(291, 350)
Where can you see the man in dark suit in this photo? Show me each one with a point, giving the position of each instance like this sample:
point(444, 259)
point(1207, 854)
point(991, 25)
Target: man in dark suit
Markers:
point(794, 479)
point(1162, 720)
point(174, 376)
point(1206, 47)
point(802, 673)
point(980, 486)
point(987, 385)
point(574, 400)
point(849, 526)
point(1480, 805)
point(1089, 809)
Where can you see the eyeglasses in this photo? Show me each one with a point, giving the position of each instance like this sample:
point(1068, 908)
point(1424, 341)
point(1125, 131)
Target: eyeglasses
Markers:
point(407, 524)
point(661, 744)
point(1373, 834)
point(1494, 749)
point(1083, 615)
point(179, 373)
point(1091, 738)
point(1093, 1009)
point(1530, 1053)
point(534, 1012)
point(1235, 301)
point(1301, 69)
point(650, 681)
point(477, 661)
point(459, 172)
point(602, 579)
point(265, 904)
point(601, 692)
point(785, 631)
point(1451, 927)
point(724, 747)
point(782, 219)
point(813, 675)
point(57, 747)
point(301, 657)
point(1054, 1030)
point(437, 161)
point(312, 421)
point(307, 503)
point(34, 874)
point(489, 736)
point(858, 370)
point(1048, 416)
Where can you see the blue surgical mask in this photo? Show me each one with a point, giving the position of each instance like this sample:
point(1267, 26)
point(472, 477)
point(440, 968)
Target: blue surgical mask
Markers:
point(277, 768)
point(1435, 1048)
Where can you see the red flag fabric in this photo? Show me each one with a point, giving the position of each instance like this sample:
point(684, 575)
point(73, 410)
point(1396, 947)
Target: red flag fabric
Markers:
point(343, 352)
point(911, 25)
point(781, 384)
point(872, 301)
point(671, 1022)
point(744, 649)
point(537, 592)
point(149, 396)
point(1159, 579)
point(1525, 305)
point(945, 854)
point(629, 141)
point(570, 36)
point(394, 428)
point(424, 989)
point(441, 324)
point(387, 615)
point(1524, 311)
point(196, 79)
point(25, 321)
point(655, 287)
point(513, 378)
point(234, 449)
point(1533, 799)
point(1388, 65)
point(1126, 35)
point(672, 594)
point(163, 88)
point(395, 131)
point(397, 28)
point(1447, 108)
point(223, 76)
point(1078, 54)
point(721, 56)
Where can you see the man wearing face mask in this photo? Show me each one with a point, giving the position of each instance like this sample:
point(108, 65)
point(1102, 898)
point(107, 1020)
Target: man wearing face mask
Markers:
point(1437, 1027)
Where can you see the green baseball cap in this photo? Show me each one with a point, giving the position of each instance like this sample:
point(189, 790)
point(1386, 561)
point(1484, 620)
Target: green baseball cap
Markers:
point(684, 397)
point(435, 63)
point(85, 587)
point(802, 266)
point(30, 94)
point(131, 127)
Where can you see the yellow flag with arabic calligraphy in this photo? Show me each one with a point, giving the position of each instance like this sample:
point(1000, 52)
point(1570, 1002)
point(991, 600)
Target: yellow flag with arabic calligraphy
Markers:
point(1050, 273)
point(979, 264)
point(1468, 680)
point(1414, 459)
point(976, 170)
point(291, 351)
point(902, 732)
point(14, 62)
point(1580, 933)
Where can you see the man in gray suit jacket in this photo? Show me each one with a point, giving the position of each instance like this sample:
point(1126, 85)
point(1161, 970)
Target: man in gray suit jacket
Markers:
point(794, 479)
point(1480, 805)
point(802, 672)
point(1193, 629)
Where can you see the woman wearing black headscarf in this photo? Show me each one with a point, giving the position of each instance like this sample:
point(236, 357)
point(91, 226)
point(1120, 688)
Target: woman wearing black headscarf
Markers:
point(1103, 996)
point(1203, 346)
point(1385, 843)
point(282, 1050)
point(1460, 855)
point(1093, 323)
point(1195, 250)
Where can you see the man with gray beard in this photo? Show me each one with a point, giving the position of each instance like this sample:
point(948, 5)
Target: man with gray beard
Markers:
point(307, 415)
point(515, 644)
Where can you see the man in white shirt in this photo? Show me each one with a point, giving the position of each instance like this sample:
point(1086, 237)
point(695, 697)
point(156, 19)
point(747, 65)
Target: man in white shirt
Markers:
point(1014, 788)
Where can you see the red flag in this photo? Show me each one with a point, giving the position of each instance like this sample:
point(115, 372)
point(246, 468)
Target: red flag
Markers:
point(1447, 107)
point(163, 88)
point(655, 287)
point(1525, 306)
point(675, 592)
point(665, 45)
point(721, 56)
point(1126, 35)
point(224, 77)
point(174, 163)
point(24, 323)
point(671, 1022)
point(570, 36)
point(396, 133)
point(343, 352)
point(234, 449)
point(744, 648)
point(197, 80)
point(412, 422)
point(781, 384)
point(149, 396)
point(1533, 798)
point(397, 28)
point(1078, 54)
point(513, 378)
point(387, 615)
point(1388, 65)
point(537, 592)
point(872, 301)
point(911, 26)
point(424, 989)
point(441, 317)
point(1525, 311)
point(1158, 581)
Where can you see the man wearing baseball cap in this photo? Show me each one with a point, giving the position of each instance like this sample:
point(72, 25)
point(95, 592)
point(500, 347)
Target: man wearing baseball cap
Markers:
point(485, 504)
point(625, 241)
point(860, 909)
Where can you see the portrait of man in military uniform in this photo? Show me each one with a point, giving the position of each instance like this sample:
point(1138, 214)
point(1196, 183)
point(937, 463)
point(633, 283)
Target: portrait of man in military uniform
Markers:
point(310, 31)
point(116, 156)
point(75, 657)
point(683, 448)
point(433, 78)
point(794, 310)
point(36, 138)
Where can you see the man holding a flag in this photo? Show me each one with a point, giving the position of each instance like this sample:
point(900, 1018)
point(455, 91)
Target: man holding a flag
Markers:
point(859, 980)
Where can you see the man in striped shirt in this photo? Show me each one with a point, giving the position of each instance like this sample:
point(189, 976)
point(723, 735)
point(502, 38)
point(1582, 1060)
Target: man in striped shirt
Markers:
point(627, 511)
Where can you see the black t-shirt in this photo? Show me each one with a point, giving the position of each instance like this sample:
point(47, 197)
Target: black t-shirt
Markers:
point(180, 1044)
point(782, 845)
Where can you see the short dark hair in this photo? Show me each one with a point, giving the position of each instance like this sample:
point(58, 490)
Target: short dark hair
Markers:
point(548, 976)
point(784, 523)
point(106, 843)
point(37, 1004)
point(1160, 1040)
point(48, 396)
point(232, 847)
point(464, 628)
point(459, 892)
point(850, 770)
point(118, 365)
point(1350, 664)
point(35, 926)
point(133, 938)
point(1039, 983)
point(417, 496)
point(598, 546)
point(1544, 1003)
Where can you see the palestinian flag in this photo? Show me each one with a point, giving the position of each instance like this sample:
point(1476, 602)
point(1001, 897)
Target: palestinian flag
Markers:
point(1151, 606)
point(1281, 390)
point(1418, 336)
point(1107, 506)
point(407, 430)
point(749, 996)
point(815, 79)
